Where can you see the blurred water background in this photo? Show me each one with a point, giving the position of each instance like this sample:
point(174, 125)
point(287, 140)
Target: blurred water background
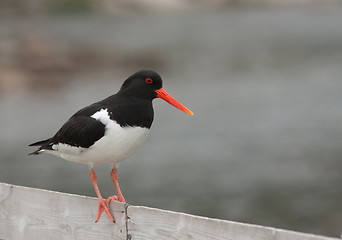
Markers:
point(263, 80)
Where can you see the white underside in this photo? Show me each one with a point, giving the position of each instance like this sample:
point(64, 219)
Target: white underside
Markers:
point(116, 145)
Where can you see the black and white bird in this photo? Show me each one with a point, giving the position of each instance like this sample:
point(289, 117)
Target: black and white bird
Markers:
point(110, 130)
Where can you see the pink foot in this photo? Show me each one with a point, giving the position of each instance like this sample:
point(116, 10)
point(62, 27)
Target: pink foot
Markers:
point(103, 206)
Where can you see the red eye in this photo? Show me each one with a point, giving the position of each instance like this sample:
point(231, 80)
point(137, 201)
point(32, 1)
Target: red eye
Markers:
point(148, 80)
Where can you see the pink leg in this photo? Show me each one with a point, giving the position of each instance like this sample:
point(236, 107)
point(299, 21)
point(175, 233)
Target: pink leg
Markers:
point(114, 175)
point(103, 204)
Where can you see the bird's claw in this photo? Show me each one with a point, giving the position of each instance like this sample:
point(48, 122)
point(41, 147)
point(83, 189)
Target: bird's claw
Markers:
point(112, 198)
point(103, 206)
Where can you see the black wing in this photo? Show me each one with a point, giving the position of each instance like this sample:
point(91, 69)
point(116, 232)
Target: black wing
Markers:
point(78, 131)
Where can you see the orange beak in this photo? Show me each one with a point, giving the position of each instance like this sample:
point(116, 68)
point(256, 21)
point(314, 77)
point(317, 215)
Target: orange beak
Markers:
point(161, 93)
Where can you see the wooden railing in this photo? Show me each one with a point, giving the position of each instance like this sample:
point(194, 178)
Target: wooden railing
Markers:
point(29, 213)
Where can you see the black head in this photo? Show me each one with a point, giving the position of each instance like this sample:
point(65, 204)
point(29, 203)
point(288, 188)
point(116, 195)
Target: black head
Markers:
point(142, 84)
point(147, 84)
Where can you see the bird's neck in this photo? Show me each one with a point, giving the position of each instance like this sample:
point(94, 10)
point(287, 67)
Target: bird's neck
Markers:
point(131, 111)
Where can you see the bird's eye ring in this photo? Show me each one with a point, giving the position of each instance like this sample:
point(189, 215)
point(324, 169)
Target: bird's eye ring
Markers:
point(148, 80)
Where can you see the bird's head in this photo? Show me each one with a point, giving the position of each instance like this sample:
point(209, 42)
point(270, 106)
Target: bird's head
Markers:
point(148, 84)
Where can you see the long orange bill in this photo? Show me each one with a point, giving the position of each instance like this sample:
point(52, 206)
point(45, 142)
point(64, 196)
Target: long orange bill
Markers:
point(161, 93)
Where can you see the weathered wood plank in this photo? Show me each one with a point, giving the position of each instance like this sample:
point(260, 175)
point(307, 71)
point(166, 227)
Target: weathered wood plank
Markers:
point(149, 223)
point(28, 213)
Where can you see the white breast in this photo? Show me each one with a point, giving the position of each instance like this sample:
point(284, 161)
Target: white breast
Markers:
point(116, 145)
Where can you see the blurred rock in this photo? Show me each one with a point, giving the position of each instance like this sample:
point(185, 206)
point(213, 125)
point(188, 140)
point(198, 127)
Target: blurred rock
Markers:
point(45, 61)
point(11, 79)
point(40, 53)
point(37, 60)
point(133, 6)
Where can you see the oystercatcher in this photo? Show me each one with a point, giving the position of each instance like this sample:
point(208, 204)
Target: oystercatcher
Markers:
point(110, 130)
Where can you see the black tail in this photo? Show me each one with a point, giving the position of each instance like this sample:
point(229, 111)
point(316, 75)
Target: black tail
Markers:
point(40, 143)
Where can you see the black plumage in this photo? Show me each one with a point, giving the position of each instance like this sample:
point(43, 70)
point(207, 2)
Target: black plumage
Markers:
point(130, 107)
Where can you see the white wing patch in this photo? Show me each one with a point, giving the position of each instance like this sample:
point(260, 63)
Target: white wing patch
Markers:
point(102, 116)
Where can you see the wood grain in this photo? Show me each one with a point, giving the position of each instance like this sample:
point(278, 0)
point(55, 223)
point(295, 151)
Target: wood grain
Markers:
point(149, 223)
point(28, 213)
